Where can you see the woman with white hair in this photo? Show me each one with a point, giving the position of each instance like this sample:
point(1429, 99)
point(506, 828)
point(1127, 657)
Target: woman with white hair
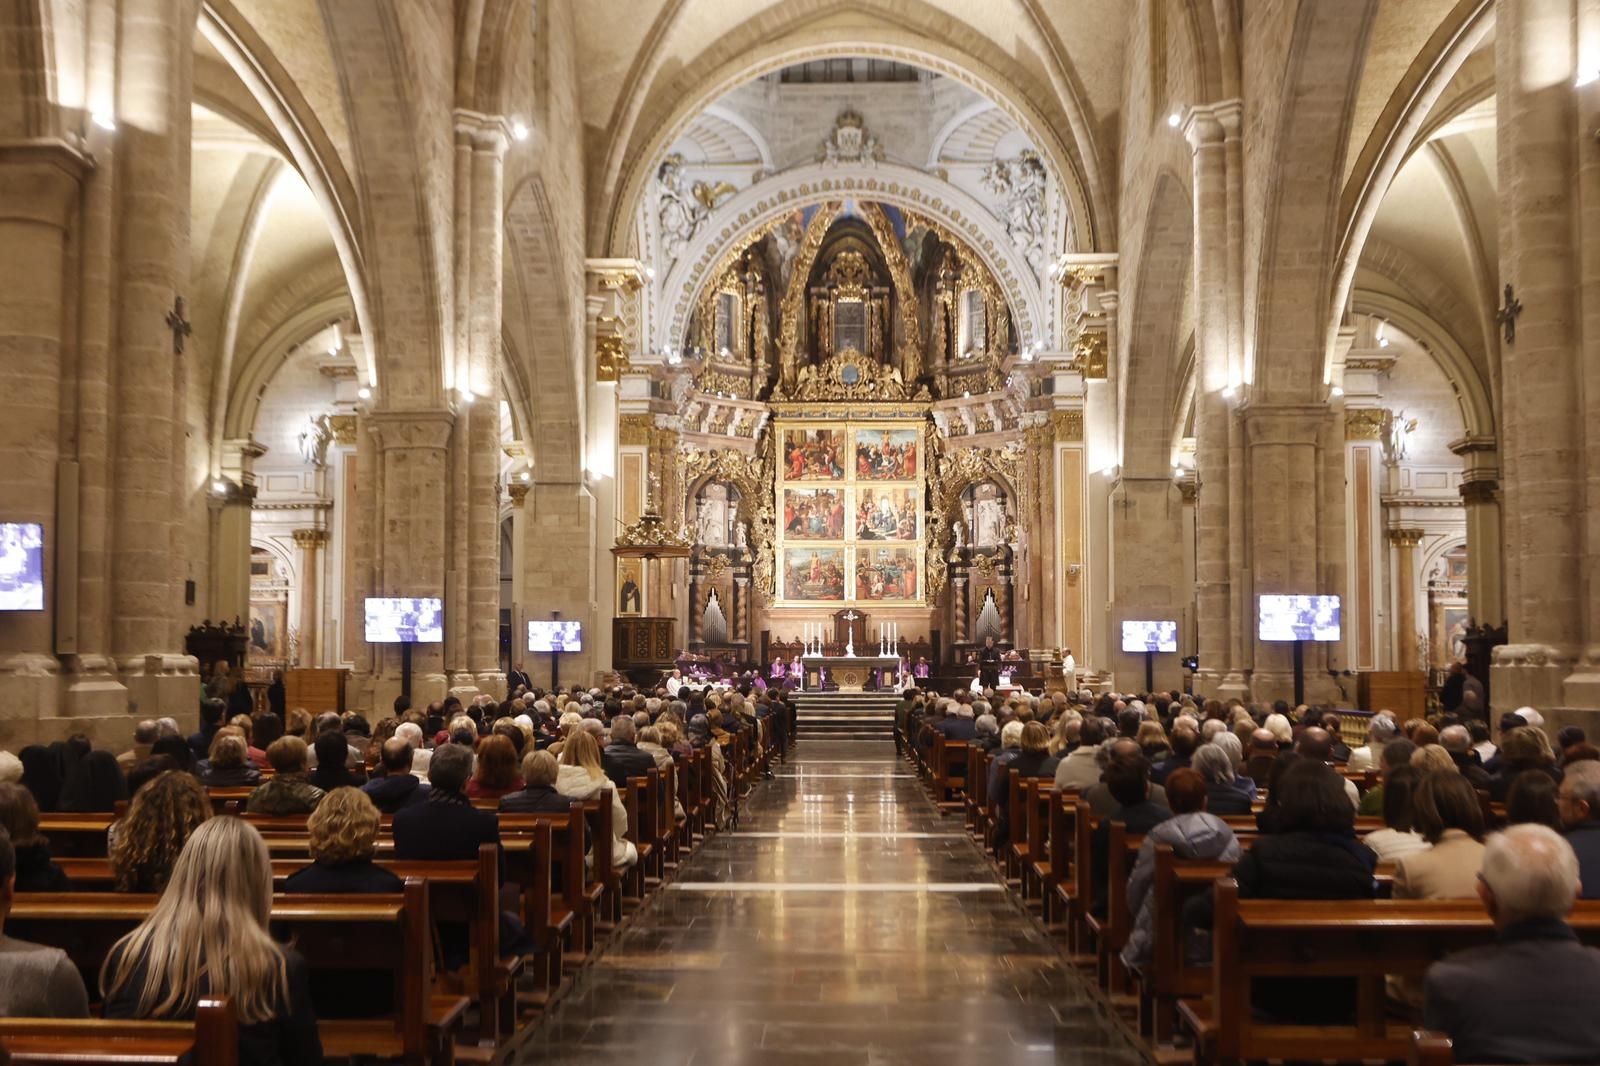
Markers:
point(1215, 765)
point(1281, 730)
point(207, 936)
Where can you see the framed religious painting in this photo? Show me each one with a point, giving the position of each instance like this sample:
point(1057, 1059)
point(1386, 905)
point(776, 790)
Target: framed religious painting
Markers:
point(813, 514)
point(813, 454)
point(887, 512)
point(886, 454)
point(814, 574)
point(269, 636)
point(630, 587)
point(886, 573)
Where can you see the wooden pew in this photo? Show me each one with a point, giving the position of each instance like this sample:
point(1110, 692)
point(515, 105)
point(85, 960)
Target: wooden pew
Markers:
point(1431, 1049)
point(211, 1039)
point(336, 933)
point(76, 835)
point(1360, 939)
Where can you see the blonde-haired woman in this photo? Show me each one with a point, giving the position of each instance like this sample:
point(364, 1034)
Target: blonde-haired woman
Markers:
point(162, 817)
point(207, 936)
point(581, 777)
point(344, 837)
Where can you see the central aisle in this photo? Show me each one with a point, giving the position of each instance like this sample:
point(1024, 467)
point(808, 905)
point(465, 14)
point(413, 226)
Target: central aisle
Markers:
point(844, 923)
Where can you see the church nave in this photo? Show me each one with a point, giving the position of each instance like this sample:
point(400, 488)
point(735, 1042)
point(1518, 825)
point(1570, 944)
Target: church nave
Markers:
point(841, 922)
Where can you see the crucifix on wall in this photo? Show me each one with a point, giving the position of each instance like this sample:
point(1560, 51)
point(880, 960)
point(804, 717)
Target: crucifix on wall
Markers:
point(850, 625)
point(1507, 315)
point(179, 324)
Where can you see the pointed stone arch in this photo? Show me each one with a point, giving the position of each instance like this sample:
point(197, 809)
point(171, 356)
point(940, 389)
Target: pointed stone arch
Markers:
point(1157, 307)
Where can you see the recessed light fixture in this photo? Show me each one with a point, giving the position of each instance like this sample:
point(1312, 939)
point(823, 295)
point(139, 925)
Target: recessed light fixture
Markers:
point(1175, 119)
point(363, 393)
point(1337, 390)
point(519, 129)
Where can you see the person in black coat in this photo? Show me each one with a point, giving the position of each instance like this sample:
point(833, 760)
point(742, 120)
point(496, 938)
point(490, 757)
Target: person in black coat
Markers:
point(217, 900)
point(1531, 996)
point(988, 664)
point(538, 795)
point(622, 758)
point(1309, 850)
point(94, 784)
point(1033, 760)
point(516, 679)
point(41, 774)
point(1128, 780)
point(397, 788)
point(211, 713)
point(446, 825)
point(332, 754)
point(277, 698)
point(1223, 797)
point(344, 837)
point(19, 817)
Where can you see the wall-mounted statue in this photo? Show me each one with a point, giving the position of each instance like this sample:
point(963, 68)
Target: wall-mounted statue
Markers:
point(1019, 185)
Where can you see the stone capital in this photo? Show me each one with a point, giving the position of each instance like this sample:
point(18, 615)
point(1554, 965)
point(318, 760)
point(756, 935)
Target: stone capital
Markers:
point(1406, 538)
point(487, 134)
point(1202, 129)
point(39, 181)
point(310, 539)
point(1479, 490)
point(518, 491)
point(426, 428)
point(1284, 424)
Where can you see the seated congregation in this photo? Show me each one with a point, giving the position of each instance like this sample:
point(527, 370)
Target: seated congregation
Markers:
point(276, 890)
point(1273, 883)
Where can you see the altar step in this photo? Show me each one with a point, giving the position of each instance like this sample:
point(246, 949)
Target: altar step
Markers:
point(846, 715)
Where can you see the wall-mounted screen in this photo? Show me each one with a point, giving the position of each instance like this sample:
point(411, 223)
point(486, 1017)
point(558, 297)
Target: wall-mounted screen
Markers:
point(1149, 636)
point(550, 635)
point(1299, 618)
point(21, 566)
point(405, 620)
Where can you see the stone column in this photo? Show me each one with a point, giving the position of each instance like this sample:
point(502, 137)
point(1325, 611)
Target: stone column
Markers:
point(518, 488)
point(489, 144)
point(413, 456)
point(1293, 531)
point(1405, 543)
point(153, 123)
point(230, 545)
point(1543, 234)
point(1215, 386)
point(1049, 565)
point(559, 565)
point(39, 191)
point(1480, 498)
point(310, 543)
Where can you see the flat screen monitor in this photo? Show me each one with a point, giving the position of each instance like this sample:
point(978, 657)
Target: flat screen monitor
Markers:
point(1149, 636)
point(403, 620)
point(551, 635)
point(21, 566)
point(1299, 618)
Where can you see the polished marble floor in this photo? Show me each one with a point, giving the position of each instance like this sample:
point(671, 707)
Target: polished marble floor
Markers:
point(844, 922)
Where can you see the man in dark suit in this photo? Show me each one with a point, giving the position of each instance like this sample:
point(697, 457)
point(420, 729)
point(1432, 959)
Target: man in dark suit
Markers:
point(397, 788)
point(1534, 996)
point(959, 724)
point(988, 664)
point(1579, 801)
point(622, 757)
point(445, 825)
point(539, 796)
point(517, 679)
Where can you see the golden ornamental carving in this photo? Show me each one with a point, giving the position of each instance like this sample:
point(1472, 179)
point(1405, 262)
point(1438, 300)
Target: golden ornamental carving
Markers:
point(635, 429)
point(793, 308)
point(752, 475)
point(905, 294)
point(849, 275)
point(1366, 423)
point(719, 383)
point(610, 358)
point(1089, 354)
point(958, 470)
point(1406, 538)
point(310, 538)
point(650, 537)
point(850, 375)
point(625, 281)
point(1076, 277)
point(344, 428)
point(1068, 425)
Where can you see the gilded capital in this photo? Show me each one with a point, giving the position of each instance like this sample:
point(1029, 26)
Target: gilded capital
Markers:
point(1068, 425)
point(310, 539)
point(518, 491)
point(1366, 423)
point(1406, 538)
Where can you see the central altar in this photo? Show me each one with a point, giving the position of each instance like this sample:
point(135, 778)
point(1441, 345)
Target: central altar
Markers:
point(850, 672)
